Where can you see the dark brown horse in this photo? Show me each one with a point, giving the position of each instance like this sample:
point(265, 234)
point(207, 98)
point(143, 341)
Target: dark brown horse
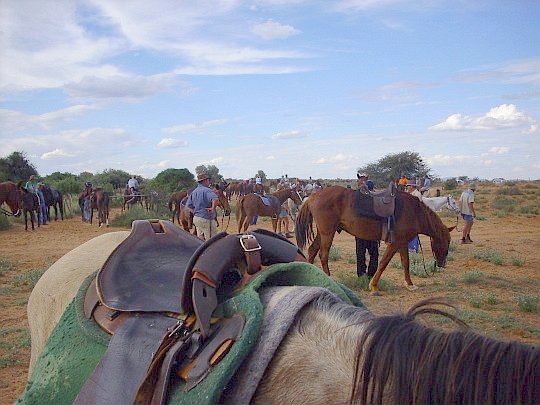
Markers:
point(333, 209)
point(175, 204)
point(53, 198)
point(186, 217)
point(29, 206)
point(11, 194)
point(252, 205)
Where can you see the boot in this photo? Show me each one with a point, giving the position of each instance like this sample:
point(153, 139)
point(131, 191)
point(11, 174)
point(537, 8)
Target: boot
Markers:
point(469, 238)
point(465, 241)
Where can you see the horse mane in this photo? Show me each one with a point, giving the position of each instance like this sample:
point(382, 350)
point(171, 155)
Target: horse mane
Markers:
point(399, 360)
point(433, 222)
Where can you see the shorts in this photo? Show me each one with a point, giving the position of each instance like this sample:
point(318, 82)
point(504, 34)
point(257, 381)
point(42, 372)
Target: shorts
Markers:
point(467, 217)
point(205, 227)
point(283, 213)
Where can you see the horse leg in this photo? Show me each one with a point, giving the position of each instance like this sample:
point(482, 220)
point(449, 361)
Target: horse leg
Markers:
point(388, 254)
point(324, 252)
point(405, 263)
point(314, 248)
point(274, 224)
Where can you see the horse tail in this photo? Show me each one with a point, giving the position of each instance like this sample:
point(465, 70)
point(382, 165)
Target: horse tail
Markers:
point(304, 225)
point(239, 208)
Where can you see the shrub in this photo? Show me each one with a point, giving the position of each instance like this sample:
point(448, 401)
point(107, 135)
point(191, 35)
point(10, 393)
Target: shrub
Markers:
point(4, 222)
point(335, 254)
point(518, 261)
point(473, 277)
point(491, 256)
point(5, 266)
point(527, 303)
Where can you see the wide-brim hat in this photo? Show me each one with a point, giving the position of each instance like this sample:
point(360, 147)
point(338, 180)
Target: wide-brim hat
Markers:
point(202, 177)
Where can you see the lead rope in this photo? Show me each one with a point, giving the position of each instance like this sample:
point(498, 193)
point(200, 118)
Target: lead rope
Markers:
point(423, 259)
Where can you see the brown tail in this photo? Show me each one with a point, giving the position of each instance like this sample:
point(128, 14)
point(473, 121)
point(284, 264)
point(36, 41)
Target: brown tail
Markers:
point(239, 210)
point(304, 225)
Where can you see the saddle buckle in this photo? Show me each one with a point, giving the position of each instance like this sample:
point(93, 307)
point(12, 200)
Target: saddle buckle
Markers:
point(246, 241)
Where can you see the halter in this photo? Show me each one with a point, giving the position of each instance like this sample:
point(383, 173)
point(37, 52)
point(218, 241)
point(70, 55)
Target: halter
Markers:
point(9, 213)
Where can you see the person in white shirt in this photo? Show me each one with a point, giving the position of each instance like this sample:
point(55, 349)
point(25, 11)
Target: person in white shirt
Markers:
point(466, 205)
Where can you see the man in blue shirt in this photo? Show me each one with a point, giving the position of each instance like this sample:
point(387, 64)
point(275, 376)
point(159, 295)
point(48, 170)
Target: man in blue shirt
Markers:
point(203, 202)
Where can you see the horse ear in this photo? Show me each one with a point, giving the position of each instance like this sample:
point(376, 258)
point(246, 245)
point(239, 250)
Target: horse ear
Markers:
point(451, 228)
point(228, 184)
point(357, 175)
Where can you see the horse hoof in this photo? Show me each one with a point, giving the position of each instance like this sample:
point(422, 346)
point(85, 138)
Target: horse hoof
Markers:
point(411, 287)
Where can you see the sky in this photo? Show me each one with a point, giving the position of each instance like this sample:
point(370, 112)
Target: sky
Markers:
point(305, 88)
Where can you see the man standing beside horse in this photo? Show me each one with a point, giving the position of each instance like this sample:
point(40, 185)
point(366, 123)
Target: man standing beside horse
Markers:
point(203, 202)
point(365, 185)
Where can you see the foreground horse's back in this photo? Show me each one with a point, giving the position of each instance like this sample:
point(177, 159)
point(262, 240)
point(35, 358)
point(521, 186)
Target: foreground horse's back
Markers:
point(59, 284)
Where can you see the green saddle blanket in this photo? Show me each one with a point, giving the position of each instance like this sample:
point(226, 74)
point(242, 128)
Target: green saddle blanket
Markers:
point(77, 344)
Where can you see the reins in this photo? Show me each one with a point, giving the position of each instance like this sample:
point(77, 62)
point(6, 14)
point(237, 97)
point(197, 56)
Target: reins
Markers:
point(423, 259)
point(6, 212)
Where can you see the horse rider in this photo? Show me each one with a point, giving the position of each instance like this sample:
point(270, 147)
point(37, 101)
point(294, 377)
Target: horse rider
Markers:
point(402, 183)
point(86, 197)
point(133, 188)
point(426, 186)
point(203, 202)
point(258, 185)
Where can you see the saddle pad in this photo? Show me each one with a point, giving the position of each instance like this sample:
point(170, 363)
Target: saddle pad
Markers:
point(364, 205)
point(266, 200)
point(77, 344)
point(147, 271)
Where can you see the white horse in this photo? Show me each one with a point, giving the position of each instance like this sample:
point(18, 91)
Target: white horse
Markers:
point(438, 203)
point(337, 353)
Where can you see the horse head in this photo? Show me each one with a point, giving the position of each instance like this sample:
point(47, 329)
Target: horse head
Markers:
point(452, 205)
point(223, 200)
point(295, 196)
point(440, 245)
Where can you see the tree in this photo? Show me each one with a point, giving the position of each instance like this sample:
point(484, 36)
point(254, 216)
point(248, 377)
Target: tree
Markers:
point(172, 180)
point(117, 178)
point(212, 171)
point(392, 166)
point(262, 175)
point(16, 167)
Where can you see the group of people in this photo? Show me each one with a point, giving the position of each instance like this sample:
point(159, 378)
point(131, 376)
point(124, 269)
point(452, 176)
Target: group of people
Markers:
point(366, 185)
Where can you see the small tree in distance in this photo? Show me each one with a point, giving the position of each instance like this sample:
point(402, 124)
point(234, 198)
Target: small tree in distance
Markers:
point(392, 166)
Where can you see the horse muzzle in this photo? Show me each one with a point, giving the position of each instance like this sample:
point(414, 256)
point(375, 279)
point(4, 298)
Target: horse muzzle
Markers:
point(441, 263)
point(227, 213)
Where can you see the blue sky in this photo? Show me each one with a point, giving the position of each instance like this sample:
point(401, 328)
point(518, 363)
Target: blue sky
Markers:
point(307, 88)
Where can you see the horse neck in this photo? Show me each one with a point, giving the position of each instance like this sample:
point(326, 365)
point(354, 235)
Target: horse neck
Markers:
point(318, 344)
point(283, 195)
point(430, 223)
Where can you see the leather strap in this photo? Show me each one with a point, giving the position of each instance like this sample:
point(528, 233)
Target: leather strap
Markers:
point(123, 368)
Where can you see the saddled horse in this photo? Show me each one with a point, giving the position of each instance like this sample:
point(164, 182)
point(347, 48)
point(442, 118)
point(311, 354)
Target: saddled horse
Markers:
point(333, 352)
point(334, 208)
point(438, 203)
point(186, 217)
point(252, 205)
point(11, 194)
point(30, 207)
point(53, 198)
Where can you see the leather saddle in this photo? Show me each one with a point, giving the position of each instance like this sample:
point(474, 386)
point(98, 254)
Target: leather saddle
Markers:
point(156, 295)
point(384, 202)
point(380, 205)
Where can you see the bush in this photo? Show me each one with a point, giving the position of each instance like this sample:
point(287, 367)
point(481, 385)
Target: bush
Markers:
point(450, 184)
point(527, 303)
point(4, 223)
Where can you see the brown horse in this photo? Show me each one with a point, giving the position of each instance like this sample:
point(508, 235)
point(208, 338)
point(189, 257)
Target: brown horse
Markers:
point(11, 194)
point(186, 217)
point(333, 209)
point(100, 201)
point(252, 205)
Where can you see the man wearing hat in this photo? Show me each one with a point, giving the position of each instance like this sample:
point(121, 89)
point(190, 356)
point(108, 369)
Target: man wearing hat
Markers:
point(466, 205)
point(203, 202)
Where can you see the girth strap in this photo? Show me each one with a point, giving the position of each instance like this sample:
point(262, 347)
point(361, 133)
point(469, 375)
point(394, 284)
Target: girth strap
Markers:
point(123, 368)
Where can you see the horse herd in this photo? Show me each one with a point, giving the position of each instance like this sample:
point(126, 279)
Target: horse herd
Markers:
point(337, 352)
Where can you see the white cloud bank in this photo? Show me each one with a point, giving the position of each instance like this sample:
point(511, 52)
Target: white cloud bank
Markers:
point(502, 117)
point(274, 30)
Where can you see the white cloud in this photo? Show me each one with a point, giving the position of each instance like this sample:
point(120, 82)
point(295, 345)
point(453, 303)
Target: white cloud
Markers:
point(503, 116)
point(339, 158)
point(171, 143)
point(56, 154)
point(271, 157)
point(288, 135)
point(499, 150)
point(119, 86)
point(448, 160)
point(193, 126)
point(533, 129)
point(14, 121)
point(274, 30)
